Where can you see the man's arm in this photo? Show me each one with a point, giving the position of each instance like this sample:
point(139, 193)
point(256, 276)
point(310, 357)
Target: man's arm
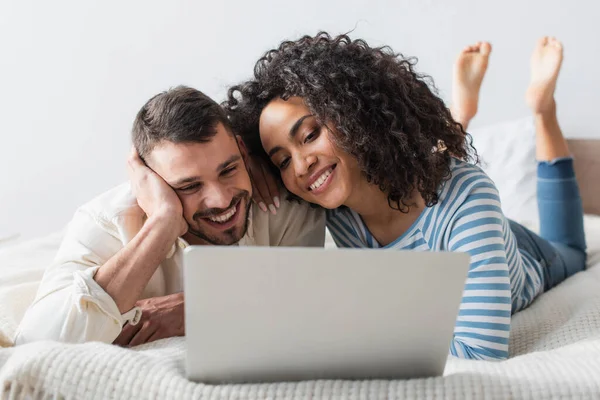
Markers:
point(125, 275)
point(88, 292)
point(69, 305)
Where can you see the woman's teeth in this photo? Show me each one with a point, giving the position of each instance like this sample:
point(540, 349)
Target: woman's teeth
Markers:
point(321, 179)
point(224, 217)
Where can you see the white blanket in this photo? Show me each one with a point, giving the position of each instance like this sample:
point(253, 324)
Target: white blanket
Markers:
point(555, 353)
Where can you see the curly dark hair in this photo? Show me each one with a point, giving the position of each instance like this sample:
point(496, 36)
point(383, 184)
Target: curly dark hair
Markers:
point(378, 108)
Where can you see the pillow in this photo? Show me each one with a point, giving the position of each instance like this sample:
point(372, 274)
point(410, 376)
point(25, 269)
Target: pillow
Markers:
point(22, 266)
point(507, 154)
point(592, 238)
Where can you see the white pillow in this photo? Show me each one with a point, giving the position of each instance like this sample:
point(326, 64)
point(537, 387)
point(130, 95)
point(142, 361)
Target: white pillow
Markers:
point(507, 155)
point(22, 266)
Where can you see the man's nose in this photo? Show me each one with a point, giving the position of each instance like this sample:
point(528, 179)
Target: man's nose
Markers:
point(217, 196)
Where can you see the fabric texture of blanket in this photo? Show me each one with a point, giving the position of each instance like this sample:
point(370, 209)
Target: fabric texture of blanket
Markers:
point(554, 346)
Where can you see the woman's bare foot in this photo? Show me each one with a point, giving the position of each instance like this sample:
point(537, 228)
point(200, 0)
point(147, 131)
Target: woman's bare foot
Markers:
point(469, 70)
point(545, 65)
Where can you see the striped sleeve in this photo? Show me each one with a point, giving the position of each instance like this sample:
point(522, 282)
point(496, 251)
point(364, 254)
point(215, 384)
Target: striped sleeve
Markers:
point(483, 325)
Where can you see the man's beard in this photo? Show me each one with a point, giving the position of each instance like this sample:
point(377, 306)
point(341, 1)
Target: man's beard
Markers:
point(229, 236)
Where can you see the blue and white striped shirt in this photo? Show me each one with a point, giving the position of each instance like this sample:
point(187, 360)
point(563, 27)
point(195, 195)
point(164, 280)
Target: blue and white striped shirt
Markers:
point(502, 279)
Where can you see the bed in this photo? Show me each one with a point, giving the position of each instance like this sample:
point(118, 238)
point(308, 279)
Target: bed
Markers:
point(554, 344)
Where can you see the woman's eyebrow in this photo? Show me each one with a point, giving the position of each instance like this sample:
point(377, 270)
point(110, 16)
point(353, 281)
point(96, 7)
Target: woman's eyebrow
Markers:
point(297, 125)
point(293, 132)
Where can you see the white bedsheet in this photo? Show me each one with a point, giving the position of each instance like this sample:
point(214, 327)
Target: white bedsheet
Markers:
point(554, 345)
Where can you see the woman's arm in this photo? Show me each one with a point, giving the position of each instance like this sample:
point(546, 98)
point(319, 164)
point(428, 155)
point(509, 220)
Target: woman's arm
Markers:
point(479, 228)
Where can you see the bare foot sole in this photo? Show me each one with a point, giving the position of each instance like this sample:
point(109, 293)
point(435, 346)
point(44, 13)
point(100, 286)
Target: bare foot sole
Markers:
point(546, 61)
point(469, 70)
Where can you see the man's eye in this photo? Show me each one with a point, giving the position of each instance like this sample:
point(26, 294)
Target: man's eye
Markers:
point(228, 171)
point(190, 187)
point(284, 163)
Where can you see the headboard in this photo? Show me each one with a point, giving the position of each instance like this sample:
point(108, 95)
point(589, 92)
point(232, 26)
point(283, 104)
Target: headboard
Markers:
point(586, 153)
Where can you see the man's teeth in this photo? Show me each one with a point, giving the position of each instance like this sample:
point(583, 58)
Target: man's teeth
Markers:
point(321, 179)
point(224, 217)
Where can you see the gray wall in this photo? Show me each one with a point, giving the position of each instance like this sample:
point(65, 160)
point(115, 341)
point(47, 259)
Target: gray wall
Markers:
point(74, 73)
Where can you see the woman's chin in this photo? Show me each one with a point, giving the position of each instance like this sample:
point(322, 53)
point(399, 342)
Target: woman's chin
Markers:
point(330, 206)
point(326, 200)
point(329, 202)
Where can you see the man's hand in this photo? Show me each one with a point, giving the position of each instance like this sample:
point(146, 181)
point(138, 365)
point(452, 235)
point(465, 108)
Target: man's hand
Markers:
point(162, 317)
point(153, 194)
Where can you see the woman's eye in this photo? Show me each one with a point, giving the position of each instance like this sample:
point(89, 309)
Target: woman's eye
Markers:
point(311, 136)
point(284, 163)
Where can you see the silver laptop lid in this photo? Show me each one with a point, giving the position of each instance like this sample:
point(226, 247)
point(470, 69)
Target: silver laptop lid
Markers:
point(277, 314)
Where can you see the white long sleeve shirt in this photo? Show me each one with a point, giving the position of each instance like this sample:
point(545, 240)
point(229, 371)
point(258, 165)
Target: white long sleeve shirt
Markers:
point(71, 307)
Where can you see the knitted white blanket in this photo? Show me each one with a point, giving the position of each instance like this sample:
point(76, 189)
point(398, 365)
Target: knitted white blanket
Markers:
point(555, 353)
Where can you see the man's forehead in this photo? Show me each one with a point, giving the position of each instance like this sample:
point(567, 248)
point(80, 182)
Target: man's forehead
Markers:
point(176, 161)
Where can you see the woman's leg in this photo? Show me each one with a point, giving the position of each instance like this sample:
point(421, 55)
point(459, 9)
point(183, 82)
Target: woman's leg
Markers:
point(469, 70)
point(560, 207)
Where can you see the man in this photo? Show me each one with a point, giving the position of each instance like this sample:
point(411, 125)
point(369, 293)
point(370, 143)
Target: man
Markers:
point(117, 276)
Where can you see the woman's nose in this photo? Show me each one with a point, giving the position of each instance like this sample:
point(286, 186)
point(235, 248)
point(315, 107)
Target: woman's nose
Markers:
point(303, 164)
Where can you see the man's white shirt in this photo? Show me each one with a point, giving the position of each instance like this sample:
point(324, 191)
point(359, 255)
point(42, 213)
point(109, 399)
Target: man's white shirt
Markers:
point(71, 307)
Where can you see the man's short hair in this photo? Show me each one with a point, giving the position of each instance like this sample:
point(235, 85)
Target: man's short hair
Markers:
point(178, 115)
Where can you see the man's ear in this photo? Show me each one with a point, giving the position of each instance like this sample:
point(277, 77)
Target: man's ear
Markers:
point(242, 147)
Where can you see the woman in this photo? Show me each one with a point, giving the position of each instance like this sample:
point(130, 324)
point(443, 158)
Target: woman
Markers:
point(357, 131)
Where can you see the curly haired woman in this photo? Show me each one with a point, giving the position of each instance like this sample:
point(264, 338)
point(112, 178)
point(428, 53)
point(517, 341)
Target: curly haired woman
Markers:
point(355, 130)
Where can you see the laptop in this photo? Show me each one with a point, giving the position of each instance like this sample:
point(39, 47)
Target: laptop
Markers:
point(265, 314)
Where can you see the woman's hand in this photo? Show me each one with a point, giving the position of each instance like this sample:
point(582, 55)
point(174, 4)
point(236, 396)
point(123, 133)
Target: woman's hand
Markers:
point(265, 193)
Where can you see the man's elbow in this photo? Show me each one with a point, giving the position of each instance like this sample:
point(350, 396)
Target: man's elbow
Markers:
point(71, 325)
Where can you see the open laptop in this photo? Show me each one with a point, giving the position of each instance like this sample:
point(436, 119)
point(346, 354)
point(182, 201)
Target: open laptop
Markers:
point(263, 314)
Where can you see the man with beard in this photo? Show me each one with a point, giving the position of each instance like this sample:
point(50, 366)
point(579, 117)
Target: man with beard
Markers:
point(117, 277)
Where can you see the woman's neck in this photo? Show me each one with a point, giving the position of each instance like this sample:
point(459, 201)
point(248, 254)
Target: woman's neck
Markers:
point(370, 203)
point(385, 223)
